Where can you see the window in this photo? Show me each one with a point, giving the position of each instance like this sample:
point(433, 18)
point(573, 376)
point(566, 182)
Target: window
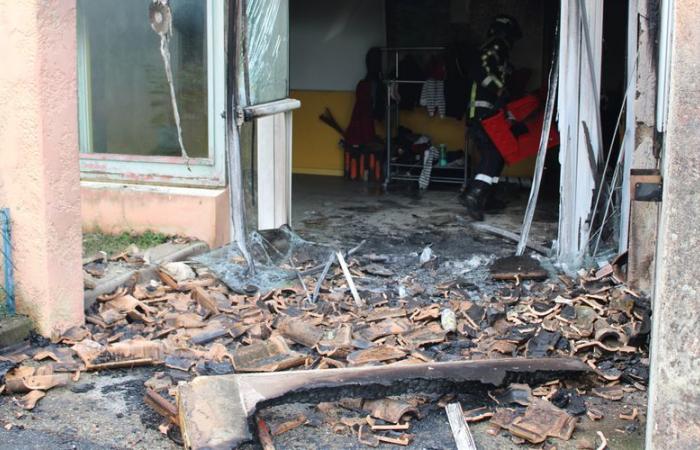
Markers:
point(127, 126)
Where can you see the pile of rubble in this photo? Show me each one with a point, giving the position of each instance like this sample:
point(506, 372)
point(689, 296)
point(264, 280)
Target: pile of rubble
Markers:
point(533, 416)
point(189, 323)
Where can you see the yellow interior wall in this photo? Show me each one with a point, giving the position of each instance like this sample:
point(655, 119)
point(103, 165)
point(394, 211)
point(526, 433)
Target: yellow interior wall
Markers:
point(315, 144)
point(315, 148)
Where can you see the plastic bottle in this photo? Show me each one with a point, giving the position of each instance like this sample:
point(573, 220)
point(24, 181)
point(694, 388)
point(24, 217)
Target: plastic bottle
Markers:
point(443, 155)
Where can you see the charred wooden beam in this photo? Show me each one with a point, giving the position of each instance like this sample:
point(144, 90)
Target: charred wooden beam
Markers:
point(217, 412)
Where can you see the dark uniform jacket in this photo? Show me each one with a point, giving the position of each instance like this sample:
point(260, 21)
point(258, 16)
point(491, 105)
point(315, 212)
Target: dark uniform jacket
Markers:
point(488, 91)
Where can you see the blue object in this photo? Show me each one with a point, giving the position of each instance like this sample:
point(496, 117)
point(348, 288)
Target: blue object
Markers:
point(443, 155)
point(7, 263)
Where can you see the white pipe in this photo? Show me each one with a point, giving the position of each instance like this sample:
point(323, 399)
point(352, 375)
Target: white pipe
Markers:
point(664, 67)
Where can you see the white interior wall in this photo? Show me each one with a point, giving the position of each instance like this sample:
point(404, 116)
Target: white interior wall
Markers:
point(329, 40)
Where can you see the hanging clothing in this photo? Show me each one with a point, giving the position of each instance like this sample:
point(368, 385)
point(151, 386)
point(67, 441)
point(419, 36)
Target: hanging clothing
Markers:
point(373, 61)
point(432, 96)
point(394, 93)
point(361, 128)
point(429, 157)
point(378, 90)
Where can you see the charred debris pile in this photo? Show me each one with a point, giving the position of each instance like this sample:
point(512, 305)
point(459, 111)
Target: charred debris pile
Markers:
point(188, 323)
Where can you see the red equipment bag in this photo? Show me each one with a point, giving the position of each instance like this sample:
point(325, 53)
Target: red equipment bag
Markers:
point(514, 149)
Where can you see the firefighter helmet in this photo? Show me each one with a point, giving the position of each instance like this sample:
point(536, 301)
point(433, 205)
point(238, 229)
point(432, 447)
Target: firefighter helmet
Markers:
point(506, 26)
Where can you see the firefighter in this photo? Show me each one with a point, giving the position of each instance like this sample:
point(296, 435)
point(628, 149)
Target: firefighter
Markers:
point(488, 95)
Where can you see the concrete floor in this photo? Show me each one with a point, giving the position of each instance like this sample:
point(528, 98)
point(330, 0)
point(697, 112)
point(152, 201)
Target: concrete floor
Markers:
point(332, 209)
point(102, 411)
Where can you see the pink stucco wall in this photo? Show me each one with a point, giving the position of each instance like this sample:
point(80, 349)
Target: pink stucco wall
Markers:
point(39, 172)
point(199, 213)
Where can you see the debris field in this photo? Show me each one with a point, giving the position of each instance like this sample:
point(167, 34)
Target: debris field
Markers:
point(190, 324)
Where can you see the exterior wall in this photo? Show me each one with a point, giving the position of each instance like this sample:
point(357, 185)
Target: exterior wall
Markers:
point(674, 396)
point(199, 213)
point(39, 173)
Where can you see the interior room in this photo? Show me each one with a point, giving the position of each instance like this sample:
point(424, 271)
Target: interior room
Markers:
point(329, 45)
point(418, 40)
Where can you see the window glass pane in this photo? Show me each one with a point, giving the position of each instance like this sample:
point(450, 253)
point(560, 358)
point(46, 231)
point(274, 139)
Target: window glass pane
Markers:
point(125, 105)
point(268, 50)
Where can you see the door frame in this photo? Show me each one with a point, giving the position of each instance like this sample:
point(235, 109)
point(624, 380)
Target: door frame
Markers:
point(576, 108)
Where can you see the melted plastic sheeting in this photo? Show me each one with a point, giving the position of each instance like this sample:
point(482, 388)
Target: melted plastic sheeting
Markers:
point(278, 254)
point(267, 50)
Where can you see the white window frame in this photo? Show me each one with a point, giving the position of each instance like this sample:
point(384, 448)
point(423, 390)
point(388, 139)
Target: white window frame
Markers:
point(273, 141)
point(169, 170)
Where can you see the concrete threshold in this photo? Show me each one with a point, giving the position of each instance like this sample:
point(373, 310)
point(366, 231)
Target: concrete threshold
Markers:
point(13, 330)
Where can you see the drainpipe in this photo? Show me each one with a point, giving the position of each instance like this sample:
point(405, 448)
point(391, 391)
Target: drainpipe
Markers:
point(664, 67)
point(9, 285)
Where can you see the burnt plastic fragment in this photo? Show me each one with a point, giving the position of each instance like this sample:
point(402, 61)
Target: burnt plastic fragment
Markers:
point(493, 313)
point(568, 399)
point(568, 312)
point(213, 368)
point(475, 313)
point(520, 334)
point(543, 343)
point(5, 366)
point(515, 394)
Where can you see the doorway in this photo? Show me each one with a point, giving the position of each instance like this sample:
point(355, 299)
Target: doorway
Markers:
point(340, 196)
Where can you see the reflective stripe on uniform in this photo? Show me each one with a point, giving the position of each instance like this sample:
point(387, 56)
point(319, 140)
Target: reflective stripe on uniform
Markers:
point(492, 79)
point(472, 101)
point(484, 178)
point(482, 104)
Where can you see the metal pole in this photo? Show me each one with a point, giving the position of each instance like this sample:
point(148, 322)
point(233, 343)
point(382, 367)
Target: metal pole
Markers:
point(466, 159)
point(234, 117)
point(387, 176)
point(7, 266)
